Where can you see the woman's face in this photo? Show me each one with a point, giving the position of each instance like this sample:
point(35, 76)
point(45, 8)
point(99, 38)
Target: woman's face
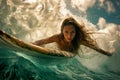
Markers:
point(69, 32)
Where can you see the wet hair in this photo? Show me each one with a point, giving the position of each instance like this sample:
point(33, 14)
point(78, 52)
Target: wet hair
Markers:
point(81, 33)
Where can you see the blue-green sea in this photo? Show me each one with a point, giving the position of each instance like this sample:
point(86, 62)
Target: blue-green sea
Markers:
point(30, 20)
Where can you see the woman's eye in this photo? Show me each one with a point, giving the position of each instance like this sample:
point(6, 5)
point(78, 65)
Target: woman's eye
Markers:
point(66, 31)
point(73, 32)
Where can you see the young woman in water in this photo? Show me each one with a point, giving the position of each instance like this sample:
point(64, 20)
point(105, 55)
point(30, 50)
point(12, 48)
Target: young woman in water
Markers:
point(71, 37)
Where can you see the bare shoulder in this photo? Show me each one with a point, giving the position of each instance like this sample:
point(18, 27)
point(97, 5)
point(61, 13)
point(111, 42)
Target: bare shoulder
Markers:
point(54, 38)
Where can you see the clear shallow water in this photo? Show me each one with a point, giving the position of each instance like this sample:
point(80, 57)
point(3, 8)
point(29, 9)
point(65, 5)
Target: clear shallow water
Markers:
point(39, 19)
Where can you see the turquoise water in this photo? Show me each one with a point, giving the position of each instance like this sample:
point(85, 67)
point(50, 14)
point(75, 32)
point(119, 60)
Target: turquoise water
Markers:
point(17, 66)
point(30, 20)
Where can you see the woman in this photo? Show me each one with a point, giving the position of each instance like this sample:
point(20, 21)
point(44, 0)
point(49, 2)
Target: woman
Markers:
point(71, 37)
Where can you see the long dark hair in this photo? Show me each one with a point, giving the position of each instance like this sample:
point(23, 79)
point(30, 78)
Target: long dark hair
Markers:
point(81, 32)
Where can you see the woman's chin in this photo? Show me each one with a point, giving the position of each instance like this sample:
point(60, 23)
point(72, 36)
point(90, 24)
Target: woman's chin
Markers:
point(68, 41)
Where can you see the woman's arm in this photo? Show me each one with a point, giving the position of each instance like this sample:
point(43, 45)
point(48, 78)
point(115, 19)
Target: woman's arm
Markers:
point(46, 41)
point(95, 47)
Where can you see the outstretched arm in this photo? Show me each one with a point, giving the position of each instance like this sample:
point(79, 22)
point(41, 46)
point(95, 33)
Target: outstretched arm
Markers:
point(95, 47)
point(46, 41)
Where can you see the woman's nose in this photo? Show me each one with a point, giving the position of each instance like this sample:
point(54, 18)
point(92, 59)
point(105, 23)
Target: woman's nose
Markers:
point(69, 35)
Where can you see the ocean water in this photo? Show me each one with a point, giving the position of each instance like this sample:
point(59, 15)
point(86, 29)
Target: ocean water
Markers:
point(30, 20)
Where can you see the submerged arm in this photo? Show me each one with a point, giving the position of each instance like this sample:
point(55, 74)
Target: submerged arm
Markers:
point(46, 41)
point(95, 47)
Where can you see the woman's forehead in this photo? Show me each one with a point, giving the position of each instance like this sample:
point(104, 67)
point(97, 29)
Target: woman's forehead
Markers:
point(69, 27)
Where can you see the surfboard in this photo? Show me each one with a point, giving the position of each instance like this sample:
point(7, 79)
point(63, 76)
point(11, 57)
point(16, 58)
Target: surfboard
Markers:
point(7, 39)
